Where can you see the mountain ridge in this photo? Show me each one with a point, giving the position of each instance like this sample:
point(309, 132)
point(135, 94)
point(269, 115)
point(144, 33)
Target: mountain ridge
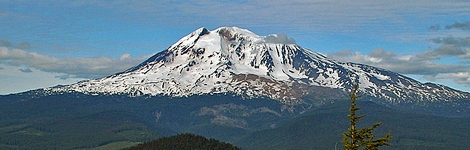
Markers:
point(236, 61)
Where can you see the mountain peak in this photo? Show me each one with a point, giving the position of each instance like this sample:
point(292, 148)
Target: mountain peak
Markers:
point(202, 31)
point(230, 32)
point(233, 32)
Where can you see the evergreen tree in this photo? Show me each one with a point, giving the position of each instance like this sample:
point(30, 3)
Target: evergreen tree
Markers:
point(361, 138)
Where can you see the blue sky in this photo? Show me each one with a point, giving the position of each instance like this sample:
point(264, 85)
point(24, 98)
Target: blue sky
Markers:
point(55, 42)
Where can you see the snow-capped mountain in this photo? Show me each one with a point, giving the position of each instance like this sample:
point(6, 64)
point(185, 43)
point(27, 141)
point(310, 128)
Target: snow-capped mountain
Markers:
point(230, 60)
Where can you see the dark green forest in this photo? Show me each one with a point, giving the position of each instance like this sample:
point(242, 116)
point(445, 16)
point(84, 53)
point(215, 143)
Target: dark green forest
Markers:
point(185, 141)
point(77, 121)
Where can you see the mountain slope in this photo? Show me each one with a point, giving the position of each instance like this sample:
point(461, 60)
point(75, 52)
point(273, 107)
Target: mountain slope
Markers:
point(237, 61)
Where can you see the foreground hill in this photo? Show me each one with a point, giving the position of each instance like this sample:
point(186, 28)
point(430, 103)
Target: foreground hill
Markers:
point(184, 142)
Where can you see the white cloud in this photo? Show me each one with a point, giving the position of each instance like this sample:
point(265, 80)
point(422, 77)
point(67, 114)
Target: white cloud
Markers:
point(426, 63)
point(459, 77)
point(78, 67)
point(125, 56)
point(459, 25)
point(279, 39)
point(409, 65)
point(466, 54)
point(448, 46)
point(19, 81)
point(401, 64)
point(27, 70)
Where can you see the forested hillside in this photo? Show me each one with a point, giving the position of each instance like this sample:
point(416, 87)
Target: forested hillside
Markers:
point(185, 141)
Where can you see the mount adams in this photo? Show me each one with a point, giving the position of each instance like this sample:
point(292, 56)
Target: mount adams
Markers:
point(230, 60)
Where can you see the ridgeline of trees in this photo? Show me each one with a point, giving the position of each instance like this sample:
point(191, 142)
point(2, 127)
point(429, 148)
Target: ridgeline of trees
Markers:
point(185, 141)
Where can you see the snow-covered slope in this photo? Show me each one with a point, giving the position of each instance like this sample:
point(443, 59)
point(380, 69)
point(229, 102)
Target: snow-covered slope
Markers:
point(230, 60)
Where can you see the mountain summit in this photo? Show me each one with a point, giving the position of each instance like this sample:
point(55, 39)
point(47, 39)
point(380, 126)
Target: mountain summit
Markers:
point(231, 60)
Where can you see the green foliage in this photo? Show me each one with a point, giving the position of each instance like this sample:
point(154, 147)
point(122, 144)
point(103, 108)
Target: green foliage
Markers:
point(321, 129)
point(185, 141)
point(355, 138)
point(69, 122)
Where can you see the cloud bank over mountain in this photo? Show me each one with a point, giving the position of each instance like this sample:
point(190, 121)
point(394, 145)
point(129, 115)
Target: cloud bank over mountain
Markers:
point(77, 67)
point(427, 63)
